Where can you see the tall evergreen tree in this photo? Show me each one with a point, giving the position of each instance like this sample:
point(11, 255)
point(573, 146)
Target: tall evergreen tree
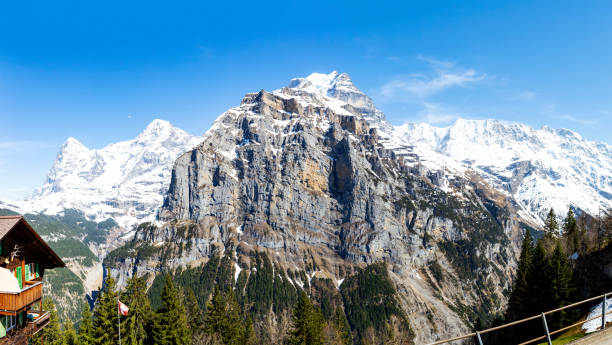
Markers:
point(248, 337)
point(306, 324)
point(342, 327)
point(134, 327)
point(551, 225)
point(517, 303)
point(194, 312)
point(105, 328)
point(171, 325)
point(85, 327)
point(52, 334)
point(223, 319)
point(570, 231)
point(558, 277)
point(215, 314)
point(233, 333)
point(69, 335)
point(536, 301)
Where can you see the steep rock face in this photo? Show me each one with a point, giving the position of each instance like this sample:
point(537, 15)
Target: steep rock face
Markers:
point(302, 176)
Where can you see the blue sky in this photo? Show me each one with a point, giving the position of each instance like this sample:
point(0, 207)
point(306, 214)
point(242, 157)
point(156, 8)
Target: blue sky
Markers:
point(100, 72)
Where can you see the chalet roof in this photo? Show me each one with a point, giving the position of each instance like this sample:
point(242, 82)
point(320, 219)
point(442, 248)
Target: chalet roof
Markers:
point(8, 223)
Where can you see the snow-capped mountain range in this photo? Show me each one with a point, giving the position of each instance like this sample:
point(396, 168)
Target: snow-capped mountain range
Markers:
point(540, 168)
point(125, 181)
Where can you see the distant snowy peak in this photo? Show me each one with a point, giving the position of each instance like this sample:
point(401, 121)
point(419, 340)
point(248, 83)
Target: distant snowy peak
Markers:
point(540, 168)
point(125, 180)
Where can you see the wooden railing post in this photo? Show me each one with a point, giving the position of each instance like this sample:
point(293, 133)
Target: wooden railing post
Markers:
point(603, 313)
point(478, 337)
point(546, 329)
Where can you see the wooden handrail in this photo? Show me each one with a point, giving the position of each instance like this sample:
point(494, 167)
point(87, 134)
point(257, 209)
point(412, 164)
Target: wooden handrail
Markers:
point(529, 319)
point(24, 290)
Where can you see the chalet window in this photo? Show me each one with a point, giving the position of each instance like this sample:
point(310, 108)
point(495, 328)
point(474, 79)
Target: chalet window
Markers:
point(1, 247)
point(32, 271)
point(10, 322)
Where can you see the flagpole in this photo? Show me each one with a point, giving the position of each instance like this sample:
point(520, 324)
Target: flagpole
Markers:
point(119, 320)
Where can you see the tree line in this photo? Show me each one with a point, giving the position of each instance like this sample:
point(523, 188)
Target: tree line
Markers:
point(180, 321)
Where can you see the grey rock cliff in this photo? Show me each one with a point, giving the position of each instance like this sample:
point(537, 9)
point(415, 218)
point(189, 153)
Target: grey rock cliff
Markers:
point(302, 176)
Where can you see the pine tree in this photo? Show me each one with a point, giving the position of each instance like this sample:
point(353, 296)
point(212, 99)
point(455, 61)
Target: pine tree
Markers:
point(52, 333)
point(570, 231)
point(536, 300)
point(520, 291)
point(558, 277)
point(307, 324)
point(551, 225)
point(233, 331)
point(248, 337)
point(134, 327)
point(105, 328)
point(86, 327)
point(171, 325)
point(194, 312)
point(69, 335)
point(223, 318)
point(215, 314)
point(342, 327)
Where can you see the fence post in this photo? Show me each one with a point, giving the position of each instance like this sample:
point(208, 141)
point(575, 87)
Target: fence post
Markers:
point(546, 329)
point(479, 339)
point(603, 313)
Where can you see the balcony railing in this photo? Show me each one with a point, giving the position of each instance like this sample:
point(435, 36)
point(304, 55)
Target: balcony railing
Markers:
point(15, 301)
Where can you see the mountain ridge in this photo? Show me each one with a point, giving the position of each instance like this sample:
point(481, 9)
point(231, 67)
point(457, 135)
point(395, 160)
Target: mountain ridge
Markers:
point(426, 145)
point(124, 180)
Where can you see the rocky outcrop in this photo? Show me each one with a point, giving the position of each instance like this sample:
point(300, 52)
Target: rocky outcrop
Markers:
point(303, 177)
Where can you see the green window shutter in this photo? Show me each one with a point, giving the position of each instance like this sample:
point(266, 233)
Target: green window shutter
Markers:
point(27, 272)
point(18, 270)
point(1, 247)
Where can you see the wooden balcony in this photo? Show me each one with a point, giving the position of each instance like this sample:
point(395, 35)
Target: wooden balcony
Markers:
point(20, 336)
point(12, 302)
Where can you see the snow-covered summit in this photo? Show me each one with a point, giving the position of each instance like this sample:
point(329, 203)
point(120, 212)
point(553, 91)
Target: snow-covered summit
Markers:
point(339, 87)
point(124, 180)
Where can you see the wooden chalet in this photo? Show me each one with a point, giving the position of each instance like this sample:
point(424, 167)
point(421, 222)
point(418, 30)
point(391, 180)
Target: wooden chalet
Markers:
point(24, 257)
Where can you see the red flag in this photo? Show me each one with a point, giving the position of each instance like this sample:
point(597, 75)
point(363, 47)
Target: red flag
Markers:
point(123, 309)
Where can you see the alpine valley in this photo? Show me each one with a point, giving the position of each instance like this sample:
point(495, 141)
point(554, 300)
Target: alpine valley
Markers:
point(410, 230)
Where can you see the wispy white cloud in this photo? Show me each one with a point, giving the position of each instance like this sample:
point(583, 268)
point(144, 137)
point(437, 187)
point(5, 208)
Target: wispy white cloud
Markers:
point(20, 145)
point(422, 86)
point(435, 62)
point(550, 109)
point(419, 88)
point(581, 121)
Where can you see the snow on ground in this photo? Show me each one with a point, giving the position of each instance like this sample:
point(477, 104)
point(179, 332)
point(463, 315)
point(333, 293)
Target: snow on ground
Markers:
point(594, 325)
